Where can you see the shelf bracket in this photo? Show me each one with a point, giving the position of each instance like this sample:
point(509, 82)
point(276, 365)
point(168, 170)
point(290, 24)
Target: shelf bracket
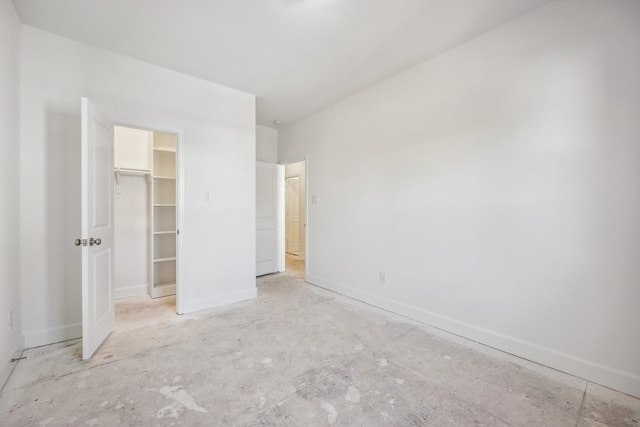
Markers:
point(116, 172)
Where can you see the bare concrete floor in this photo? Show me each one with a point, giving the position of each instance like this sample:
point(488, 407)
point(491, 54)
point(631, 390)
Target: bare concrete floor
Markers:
point(295, 356)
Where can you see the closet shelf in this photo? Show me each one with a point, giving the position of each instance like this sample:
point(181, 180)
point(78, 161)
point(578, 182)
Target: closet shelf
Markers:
point(163, 284)
point(163, 289)
point(163, 204)
point(131, 171)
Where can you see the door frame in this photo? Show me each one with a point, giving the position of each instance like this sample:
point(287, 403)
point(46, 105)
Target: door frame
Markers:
point(161, 128)
point(281, 239)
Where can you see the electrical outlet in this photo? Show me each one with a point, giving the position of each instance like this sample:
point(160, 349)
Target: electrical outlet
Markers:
point(383, 278)
point(10, 319)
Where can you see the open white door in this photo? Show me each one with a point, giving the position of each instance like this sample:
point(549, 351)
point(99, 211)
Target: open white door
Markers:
point(98, 309)
point(267, 250)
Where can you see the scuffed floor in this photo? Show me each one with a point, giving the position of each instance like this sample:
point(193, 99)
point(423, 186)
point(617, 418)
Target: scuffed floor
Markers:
point(295, 356)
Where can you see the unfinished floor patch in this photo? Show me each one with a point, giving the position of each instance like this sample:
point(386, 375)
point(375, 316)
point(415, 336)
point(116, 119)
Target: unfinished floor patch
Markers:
point(294, 356)
point(181, 396)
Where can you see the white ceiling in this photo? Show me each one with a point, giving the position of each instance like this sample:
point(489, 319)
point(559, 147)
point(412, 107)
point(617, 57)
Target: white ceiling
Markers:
point(296, 56)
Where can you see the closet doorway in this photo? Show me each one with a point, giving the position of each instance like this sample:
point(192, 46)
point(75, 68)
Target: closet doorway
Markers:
point(146, 215)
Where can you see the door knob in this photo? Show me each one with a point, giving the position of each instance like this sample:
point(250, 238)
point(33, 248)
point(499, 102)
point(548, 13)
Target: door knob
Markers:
point(80, 242)
point(93, 241)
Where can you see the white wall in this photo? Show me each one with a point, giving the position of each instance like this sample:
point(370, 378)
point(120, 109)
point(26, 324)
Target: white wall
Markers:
point(298, 169)
point(217, 127)
point(266, 144)
point(10, 339)
point(132, 254)
point(498, 186)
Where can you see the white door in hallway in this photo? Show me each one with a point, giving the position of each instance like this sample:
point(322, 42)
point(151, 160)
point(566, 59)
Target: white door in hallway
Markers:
point(96, 243)
point(293, 214)
point(267, 253)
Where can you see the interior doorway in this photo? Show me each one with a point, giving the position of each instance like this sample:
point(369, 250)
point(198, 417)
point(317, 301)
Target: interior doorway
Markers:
point(295, 216)
point(292, 215)
point(145, 220)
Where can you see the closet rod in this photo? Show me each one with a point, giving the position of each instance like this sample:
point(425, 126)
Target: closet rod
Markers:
point(128, 171)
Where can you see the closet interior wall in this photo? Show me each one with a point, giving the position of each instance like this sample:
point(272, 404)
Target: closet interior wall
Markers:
point(132, 167)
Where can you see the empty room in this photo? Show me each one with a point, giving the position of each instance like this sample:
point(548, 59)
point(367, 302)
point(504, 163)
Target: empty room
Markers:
point(320, 212)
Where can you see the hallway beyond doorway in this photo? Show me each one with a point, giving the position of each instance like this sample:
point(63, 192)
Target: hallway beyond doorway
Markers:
point(294, 264)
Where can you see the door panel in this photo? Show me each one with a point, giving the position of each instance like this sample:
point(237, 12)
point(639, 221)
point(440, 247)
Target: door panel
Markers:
point(293, 215)
point(266, 218)
point(98, 309)
point(101, 174)
point(101, 285)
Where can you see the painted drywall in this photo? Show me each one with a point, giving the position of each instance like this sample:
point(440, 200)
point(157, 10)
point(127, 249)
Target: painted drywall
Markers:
point(498, 187)
point(266, 144)
point(132, 150)
point(131, 237)
point(298, 169)
point(217, 130)
point(10, 338)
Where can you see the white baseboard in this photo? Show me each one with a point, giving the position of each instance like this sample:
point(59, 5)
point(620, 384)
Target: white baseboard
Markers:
point(71, 331)
point(163, 290)
point(131, 291)
point(52, 335)
point(219, 300)
point(625, 382)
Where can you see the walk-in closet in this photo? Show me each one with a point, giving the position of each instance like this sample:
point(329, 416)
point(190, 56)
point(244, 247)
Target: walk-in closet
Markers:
point(145, 213)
